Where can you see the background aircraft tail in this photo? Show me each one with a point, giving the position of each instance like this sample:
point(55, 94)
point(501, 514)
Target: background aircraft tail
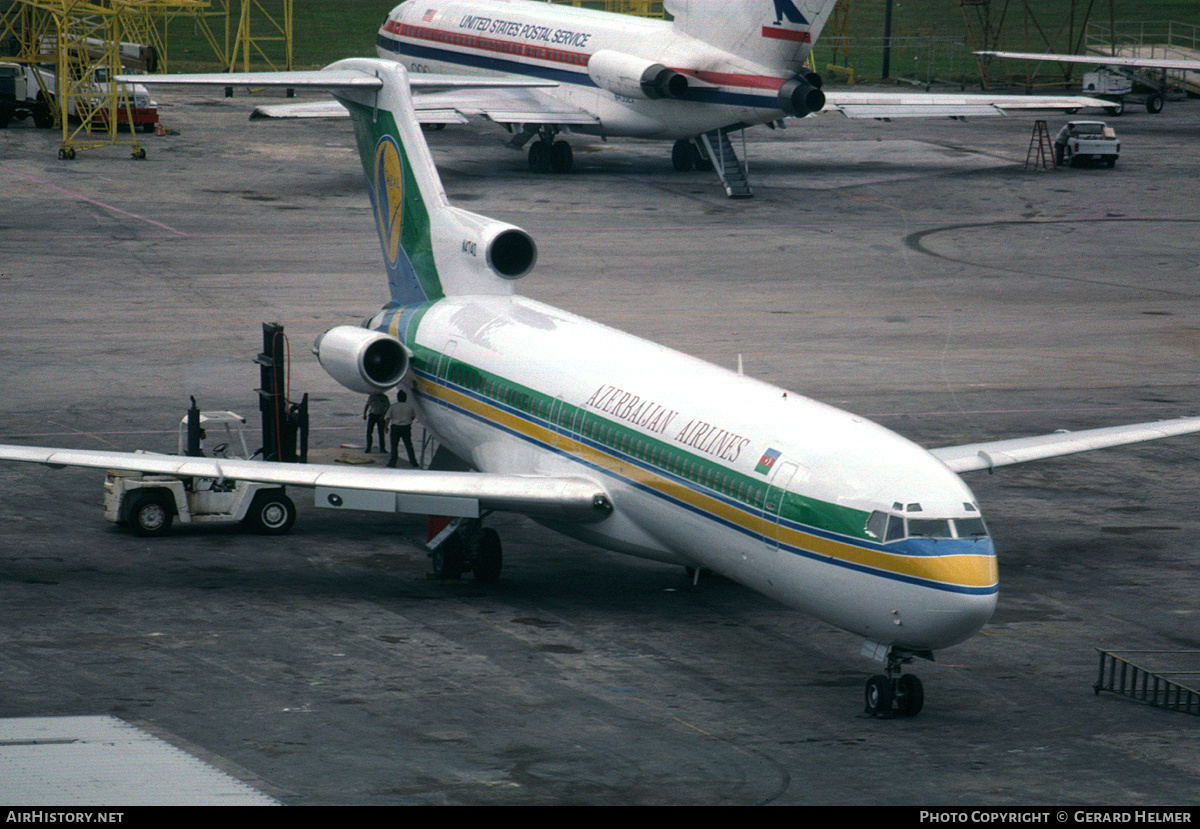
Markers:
point(774, 33)
point(430, 248)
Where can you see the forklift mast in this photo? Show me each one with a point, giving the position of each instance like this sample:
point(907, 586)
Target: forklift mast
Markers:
point(284, 424)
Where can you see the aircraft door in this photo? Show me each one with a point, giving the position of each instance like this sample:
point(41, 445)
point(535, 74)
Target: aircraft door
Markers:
point(784, 473)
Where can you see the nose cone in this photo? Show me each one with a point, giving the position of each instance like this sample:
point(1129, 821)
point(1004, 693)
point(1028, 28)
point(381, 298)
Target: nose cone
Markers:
point(959, 595)
point(948, 622)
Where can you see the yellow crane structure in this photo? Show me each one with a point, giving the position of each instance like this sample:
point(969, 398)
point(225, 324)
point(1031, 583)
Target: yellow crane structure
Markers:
point(73, 47)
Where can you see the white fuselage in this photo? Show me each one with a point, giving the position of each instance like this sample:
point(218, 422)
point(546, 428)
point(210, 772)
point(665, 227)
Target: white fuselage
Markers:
point(707, 468)
point(551, 42)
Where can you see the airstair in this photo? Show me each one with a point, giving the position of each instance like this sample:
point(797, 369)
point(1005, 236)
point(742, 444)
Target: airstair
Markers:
point(725, 162)
point(1167, 679)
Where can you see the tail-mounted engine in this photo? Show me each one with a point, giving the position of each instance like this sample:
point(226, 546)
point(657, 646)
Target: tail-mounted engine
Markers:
point(493, 247)
point(802, 95)
point(362, 360)
point(634, 77)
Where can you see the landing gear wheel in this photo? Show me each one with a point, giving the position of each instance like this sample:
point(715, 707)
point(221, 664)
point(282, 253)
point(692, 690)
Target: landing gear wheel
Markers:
point(489, 559)
point(271, 513)
point(561, 158)
point(1154, 104)
point(910, 696)
point(684, 156)
point(150, 514)
point(878, 697)
point(449, 559)
point(539, 156)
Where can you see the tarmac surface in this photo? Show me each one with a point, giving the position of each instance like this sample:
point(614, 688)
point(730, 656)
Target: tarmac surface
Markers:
point(911, 272)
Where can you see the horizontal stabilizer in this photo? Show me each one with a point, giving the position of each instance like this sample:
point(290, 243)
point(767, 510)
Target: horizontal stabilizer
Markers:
point(974, 456)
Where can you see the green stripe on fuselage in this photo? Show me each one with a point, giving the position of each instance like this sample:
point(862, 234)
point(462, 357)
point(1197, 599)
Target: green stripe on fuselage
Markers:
point(617, 442)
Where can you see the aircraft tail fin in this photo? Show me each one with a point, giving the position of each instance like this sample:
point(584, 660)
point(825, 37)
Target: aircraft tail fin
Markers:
point(430, 248)
point(775, 33)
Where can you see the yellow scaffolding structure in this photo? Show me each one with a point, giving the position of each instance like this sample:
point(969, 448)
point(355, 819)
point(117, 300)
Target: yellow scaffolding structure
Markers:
point(241, 35)
point(81, 39)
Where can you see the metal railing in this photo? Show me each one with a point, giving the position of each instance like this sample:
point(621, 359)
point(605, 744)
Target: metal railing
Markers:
point(1118, 674)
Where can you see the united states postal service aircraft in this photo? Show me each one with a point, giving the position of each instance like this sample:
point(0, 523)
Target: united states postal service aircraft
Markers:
point(719, 66)
point(623, 443)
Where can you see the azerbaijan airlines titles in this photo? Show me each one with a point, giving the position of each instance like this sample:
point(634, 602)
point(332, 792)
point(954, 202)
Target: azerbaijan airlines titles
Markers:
point(654, 417)
point(1061, 816)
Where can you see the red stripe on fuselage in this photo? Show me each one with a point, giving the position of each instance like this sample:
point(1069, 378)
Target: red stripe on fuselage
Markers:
point(554, 55)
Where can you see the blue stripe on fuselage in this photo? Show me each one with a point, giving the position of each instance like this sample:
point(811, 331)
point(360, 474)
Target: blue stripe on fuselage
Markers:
point(941, 547)
point(508, 66)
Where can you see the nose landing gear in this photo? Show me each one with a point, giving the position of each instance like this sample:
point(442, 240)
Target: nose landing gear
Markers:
point(895, 694)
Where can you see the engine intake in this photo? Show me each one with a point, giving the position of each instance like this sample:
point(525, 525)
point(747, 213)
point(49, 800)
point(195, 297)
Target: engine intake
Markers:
point(802, 95)
point(635, 77)
point(362, 360)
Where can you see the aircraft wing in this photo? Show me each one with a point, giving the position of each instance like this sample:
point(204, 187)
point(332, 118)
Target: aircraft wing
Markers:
point(1103, 60)
point(946, 105)
point(973, 456)
point(415, 491)
point(438, 99)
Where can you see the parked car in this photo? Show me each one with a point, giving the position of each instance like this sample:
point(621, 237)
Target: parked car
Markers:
point(1080, 141)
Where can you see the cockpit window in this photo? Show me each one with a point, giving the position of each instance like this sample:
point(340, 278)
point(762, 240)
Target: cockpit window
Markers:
point(970, 527)
point(929, 528)
point(888, 527)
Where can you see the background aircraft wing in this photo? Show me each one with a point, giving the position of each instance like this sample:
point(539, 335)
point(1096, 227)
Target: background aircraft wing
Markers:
point(943, 104)
point(1103, 60)
point(416, 491)
point(973, 456)
point(438, 99)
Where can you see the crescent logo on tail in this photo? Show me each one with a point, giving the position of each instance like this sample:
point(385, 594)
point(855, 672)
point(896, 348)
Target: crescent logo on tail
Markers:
point(389, 197)
point(387, 185)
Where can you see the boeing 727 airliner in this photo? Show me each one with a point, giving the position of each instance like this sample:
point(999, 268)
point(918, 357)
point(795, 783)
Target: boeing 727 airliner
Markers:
point(623, 443)
point(716, 67)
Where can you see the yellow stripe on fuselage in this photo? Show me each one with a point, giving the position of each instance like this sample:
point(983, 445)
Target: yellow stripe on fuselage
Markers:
point(973, 571)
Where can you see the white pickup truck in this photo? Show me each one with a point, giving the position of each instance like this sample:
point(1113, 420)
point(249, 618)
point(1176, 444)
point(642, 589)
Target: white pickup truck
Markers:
point(1080, 141)
point(22, 94)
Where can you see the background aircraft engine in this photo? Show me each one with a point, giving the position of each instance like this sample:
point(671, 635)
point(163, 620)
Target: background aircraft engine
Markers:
point(802, 95)
point(497, 248)
point(635, 77)
point(362, 360)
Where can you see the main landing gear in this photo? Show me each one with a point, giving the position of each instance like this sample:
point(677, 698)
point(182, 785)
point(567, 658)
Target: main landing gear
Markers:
point(467, 545)
point(895, 694)
point(550, 155)
point(687, 154)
